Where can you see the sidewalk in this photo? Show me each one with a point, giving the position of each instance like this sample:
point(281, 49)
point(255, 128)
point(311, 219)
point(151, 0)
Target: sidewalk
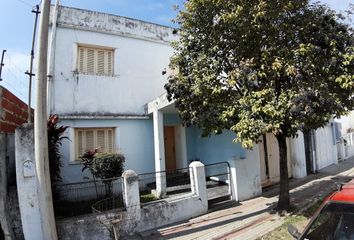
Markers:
point(254, 218)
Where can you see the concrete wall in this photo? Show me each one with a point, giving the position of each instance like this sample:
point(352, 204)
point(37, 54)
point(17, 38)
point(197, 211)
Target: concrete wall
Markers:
point(141, 52)
point(138, 218)
point(27, 183)
point(297, 155)
point(133, 138)
point(245, 176)
point(326, 149)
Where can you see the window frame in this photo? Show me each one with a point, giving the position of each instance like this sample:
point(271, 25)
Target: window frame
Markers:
point(81, 68)
point(95, 130)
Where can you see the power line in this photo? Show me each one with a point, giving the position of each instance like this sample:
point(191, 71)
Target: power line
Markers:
point(14, 64)
point(26, 3)
point(13, 89)
point(8, 70)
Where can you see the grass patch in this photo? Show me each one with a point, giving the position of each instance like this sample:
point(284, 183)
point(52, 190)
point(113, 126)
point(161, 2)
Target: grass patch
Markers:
point(282, 231)
point(146, 197)
point(299, 221)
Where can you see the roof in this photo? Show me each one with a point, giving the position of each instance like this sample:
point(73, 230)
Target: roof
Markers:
point(345, 194)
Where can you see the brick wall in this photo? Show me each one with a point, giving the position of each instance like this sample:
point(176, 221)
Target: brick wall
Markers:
point(13, 112)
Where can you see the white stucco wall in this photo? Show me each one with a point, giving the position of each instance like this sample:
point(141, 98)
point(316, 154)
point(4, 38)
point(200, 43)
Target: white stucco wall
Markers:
point(141, 51)
point(326, 150)
point(296, 148)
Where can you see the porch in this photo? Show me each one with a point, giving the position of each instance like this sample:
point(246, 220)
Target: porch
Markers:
point(175, 146)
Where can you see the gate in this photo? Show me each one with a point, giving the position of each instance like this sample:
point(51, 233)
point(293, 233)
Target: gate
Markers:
point(218, 184)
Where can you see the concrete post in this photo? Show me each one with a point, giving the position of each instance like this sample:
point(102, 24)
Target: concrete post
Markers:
point(159, 154)
point(245, 175)
point(233, 180)
point(198, 181)
point(131, 197)
point(27, 186)
point(5, 221)
point(131, 194)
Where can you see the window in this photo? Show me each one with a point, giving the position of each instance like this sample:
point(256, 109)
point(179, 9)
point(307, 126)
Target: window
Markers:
point(91, 138)
point(95, 61)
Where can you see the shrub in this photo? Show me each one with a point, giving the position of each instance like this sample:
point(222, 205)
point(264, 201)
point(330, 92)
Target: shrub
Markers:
point(104, 166)
point(55, 137)
point(109, 165)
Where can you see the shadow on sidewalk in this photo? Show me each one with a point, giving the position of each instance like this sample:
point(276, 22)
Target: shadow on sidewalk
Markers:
point(200, 226)
point(334, 171)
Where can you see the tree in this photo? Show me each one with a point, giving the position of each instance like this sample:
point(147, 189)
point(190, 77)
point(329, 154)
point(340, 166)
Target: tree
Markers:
point(257, 67)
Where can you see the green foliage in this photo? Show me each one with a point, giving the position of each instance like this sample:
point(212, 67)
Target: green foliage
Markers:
point(103, 165)
point(109, 165)
point(258, 67)
point(55, 138)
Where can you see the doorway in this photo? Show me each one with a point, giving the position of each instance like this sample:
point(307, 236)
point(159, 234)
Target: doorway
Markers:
point(170, 153)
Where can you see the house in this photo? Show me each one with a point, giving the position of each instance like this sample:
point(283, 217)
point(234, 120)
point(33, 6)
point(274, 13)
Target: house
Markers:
point(107, 85)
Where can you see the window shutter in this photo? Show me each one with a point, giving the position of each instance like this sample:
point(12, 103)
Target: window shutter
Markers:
point(95, 61)
point(90, 61)
point(79, 149)
point(90, 142)
point(109, 63)
point(81, 58)
point(100, 62)
point(110, 141)
point(101, 140)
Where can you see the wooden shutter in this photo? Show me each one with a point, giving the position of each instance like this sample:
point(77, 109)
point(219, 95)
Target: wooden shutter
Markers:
point(90, 142)
point(100, 62)
point(101, 140)
point(90, 60)
point(81, 59)
point(109, 63)
point(110, 141)
point(80, 147)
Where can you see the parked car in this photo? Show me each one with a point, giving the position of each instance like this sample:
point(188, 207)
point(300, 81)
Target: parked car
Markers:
point(334, 220)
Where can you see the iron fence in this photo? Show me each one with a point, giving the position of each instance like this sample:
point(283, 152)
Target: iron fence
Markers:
point(218, 180)
point(74, 199)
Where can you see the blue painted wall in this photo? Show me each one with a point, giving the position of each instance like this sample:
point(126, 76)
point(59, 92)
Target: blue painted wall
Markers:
point(135, 140)
point(133, 137)
point(212, 149)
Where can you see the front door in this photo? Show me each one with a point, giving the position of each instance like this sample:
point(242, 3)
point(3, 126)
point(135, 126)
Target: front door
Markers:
point(170, 156)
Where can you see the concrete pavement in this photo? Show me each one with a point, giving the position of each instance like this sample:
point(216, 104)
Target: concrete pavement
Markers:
point(254, 218)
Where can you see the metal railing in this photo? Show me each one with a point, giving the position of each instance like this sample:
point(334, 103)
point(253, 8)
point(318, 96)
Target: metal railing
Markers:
point(177, 182)
point(74, 199)
point(218, 179)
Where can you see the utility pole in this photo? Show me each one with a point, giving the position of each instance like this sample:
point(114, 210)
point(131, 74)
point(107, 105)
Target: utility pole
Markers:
point(44, 190)
point(30, 73)
point(2, 63)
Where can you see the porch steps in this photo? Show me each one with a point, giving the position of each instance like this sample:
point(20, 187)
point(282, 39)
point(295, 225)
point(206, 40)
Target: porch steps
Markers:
point(220, 203)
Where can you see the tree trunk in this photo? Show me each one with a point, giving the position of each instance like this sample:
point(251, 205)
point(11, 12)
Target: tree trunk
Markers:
point(284, 197)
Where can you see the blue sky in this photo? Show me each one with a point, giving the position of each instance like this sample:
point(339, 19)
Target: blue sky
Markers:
point(16, 24)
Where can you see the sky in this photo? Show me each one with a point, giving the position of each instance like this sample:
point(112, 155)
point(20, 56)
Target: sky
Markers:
point(16, 24)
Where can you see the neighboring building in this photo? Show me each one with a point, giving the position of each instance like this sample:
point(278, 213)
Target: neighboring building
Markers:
point(13, 113)
point(106, 78)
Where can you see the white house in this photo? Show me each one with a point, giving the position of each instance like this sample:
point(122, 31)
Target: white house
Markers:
point(107, 85)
